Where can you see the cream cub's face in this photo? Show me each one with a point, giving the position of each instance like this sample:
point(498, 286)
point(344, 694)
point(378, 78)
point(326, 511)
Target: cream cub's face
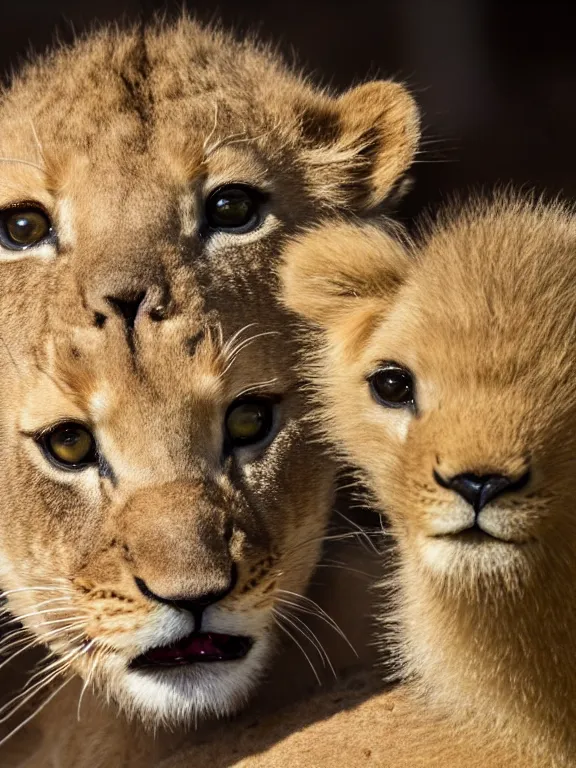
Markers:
point(446, 372)
point(159, 491)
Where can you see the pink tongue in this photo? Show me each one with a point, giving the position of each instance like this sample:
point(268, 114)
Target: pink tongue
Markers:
point(203, 645)
point(199, 646)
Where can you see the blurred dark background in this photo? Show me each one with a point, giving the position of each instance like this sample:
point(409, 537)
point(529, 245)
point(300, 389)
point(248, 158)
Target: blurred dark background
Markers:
point(496, 80)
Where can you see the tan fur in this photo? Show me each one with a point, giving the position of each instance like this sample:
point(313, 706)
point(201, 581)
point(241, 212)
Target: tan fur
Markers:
point(121, 138)
point(358, 725)
point(358, 720)
point(482, 312)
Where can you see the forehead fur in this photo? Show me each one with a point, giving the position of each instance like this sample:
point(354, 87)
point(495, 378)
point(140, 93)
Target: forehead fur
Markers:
point(159, 101)
point(506, 268)
point(141, 85)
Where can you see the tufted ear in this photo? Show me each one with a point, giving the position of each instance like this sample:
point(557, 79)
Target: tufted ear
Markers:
point(360, 144)
point(336, 268)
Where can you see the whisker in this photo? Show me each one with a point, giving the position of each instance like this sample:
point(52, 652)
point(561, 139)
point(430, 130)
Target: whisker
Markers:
point(235, 138)
point(364, 534)
point(26, 695)
point(49, 667)
point(19, 619)
point(54, 600)
point(329, 537)
point(241, 346)
point(317, 610)
point(87, 682)
point(8, 592)
point(308, 633)
point(53, 634)
point(36, 712)
point(256, 386)
point(61, 621)
point(338, 566)
point(230, 343)
point(287, 616)
point(291, 636)
point(37, 141)
point(22, 162)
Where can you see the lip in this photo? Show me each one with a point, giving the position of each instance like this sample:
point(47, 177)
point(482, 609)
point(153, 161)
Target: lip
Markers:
point(474, 535)
point(197, 648)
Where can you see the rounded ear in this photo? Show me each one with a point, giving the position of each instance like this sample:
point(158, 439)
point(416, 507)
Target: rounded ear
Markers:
point(361, 143)
point(338, 267)
point(382, 119)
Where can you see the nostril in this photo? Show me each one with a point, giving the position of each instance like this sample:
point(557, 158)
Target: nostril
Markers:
point(479, 490)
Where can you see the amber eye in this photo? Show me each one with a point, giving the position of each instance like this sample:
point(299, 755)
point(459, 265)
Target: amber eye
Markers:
point(70, 445)
point(23, 227)
point(249, 421)
point(235, 208)
point(393, 386)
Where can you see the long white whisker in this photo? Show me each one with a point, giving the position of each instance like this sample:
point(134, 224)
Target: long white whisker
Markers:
point(343, 567)
point(87, 683)
point(36, 589)
point(363, 533)
point(59, 621)
point(324, 617)
point(231, 358)
point(230, 343)
point(256, 386)
point(25, 696)
point(314, 605)
point(307, 632)
point(54, 600)
point(51, 666)
point(284, 614)
point(34, 643)
point(25, 633)
point(291, 636)
point(36, 712)
point(18, 619)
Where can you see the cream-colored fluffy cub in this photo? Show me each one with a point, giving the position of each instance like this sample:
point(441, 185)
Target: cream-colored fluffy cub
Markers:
point(446, 371)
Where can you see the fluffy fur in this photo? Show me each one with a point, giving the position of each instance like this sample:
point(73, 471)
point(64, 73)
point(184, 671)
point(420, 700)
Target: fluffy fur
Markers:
point(482, 312)
point(120, 139)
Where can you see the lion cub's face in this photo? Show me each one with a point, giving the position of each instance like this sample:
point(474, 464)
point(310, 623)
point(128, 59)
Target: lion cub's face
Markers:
point(158, 488)
point(448, 374)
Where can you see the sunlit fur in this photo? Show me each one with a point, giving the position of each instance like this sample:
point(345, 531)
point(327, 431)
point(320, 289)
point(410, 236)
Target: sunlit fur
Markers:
point(121, 138)
point(482, 310)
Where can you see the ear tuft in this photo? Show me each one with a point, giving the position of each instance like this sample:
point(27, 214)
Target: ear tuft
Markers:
point(331, 269)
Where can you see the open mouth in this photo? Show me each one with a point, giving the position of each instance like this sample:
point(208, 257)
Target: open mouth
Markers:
point(196, 648)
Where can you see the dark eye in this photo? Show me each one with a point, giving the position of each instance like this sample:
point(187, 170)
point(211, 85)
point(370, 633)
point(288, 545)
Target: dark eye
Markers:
point(249, 421)
point(23, 227)
point(70, 446)
point(393, 386)
point(235, 208)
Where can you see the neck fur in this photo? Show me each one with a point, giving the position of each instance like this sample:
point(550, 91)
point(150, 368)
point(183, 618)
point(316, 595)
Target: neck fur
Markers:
point(499, 656)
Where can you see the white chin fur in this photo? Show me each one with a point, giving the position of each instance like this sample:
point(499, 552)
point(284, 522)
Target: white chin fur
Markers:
point(181, 695)
point(459, 558)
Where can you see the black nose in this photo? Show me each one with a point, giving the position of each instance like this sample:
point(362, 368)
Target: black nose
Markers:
point(196, 604)
point(479, 490)
point(128, 306)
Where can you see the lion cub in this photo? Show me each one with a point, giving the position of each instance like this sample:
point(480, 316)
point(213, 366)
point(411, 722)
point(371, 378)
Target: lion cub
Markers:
point(446, 371)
